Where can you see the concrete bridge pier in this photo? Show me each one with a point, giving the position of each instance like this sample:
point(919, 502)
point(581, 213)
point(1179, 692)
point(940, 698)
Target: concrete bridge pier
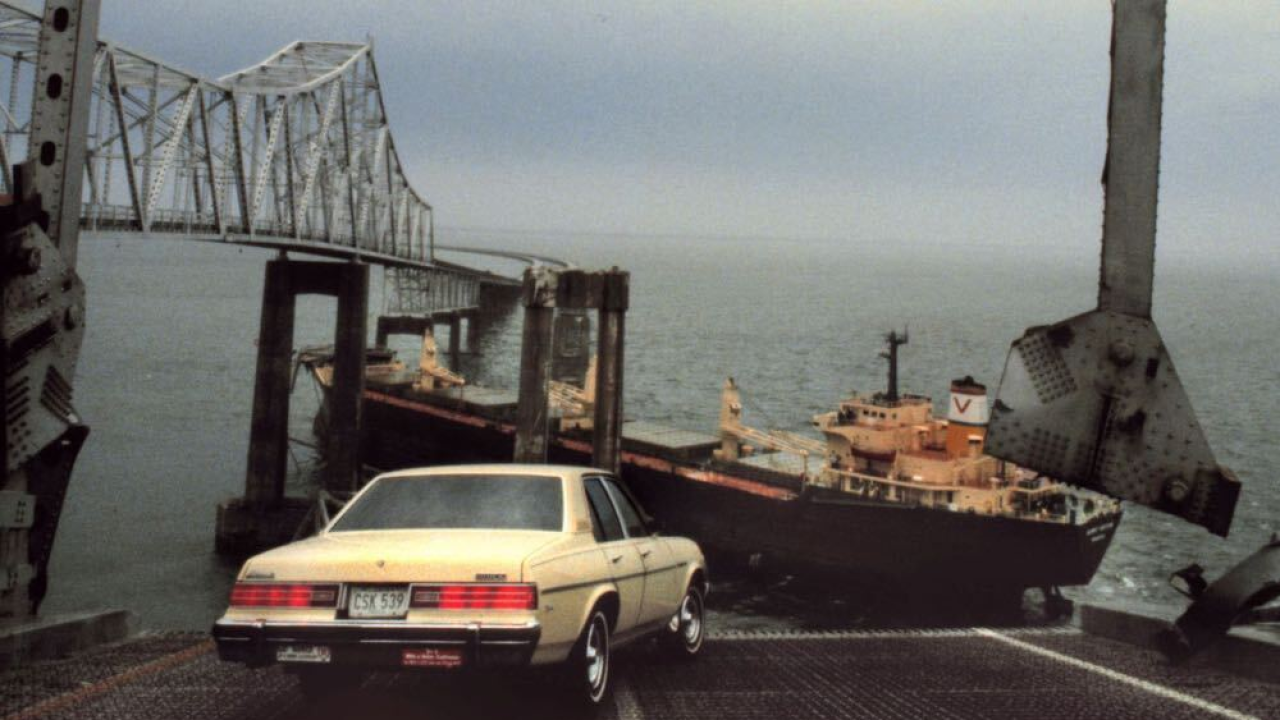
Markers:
point(420, 325)
point(343, 467)
point(533, 414)
point(475, 328)
point(269, 428)
point(570, 293)
point(389, 325)
point(265, 517)
point(455, 340)
point(606, 433)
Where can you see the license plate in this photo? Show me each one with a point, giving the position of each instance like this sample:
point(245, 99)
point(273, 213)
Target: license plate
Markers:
point(432, 658)
point(378, 602)
point(304, 654)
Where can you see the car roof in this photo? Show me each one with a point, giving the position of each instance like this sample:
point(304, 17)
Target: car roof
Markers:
point(563, 471)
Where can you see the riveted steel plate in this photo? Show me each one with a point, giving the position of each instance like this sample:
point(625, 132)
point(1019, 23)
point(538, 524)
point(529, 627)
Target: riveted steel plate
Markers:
point(1049, 374)
point(42, 331)
point(1095, 401)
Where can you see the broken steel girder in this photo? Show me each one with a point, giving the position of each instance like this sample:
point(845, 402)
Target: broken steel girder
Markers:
point(41, 329)
point(43, 326)
point(1094, 400)
point(42, 304)
point(1215, 608)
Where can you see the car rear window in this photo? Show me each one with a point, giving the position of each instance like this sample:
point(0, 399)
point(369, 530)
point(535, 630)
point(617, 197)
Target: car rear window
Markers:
point(488, 502)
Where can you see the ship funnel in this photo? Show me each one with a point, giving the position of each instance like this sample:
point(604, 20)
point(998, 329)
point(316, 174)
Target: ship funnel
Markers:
point(967, 417)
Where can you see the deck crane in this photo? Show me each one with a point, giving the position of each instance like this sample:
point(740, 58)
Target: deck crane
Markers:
point(575, 403)
point(734, 434)
point(431, 373)
point(1094, 400)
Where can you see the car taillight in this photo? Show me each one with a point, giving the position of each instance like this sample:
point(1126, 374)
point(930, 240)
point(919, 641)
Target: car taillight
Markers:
point(283, 595)
point(476, 597)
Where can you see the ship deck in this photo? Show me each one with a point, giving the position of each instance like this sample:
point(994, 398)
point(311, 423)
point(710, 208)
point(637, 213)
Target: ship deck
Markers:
point(965, 673)
point(499, 405)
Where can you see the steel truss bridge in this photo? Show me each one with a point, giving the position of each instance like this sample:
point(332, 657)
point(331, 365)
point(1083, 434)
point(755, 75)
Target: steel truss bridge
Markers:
point(294, 153)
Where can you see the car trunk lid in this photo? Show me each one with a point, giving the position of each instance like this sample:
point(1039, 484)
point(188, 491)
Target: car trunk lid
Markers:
point(408, 556)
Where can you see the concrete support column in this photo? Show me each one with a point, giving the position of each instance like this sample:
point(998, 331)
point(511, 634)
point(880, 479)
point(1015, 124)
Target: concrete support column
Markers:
point(455, 342)
point(269, 430)
point(606, 438)
point(473, 333)
point(265, 517)
point(532, 413)
point(348, 378)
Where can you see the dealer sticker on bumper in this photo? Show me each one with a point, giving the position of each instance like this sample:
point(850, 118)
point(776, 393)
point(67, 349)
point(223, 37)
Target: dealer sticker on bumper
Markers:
point(432, 658)
point(304, 654)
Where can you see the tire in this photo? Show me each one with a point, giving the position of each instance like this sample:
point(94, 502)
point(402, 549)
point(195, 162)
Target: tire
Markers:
point(684, 634)
point(586, 682)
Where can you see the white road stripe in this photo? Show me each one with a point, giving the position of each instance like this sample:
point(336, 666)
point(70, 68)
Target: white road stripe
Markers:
point(758, 635)
point(1154, 689)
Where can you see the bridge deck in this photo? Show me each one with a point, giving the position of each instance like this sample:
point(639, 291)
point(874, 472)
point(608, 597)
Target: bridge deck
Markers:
point(1054, 673)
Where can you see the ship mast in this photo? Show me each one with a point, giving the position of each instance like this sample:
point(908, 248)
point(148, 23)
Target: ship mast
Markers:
point(894, 340)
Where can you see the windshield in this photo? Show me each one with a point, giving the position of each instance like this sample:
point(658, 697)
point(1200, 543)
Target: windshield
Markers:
point(489, 502)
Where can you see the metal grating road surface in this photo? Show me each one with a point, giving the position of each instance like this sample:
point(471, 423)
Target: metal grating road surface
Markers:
point(974, 673)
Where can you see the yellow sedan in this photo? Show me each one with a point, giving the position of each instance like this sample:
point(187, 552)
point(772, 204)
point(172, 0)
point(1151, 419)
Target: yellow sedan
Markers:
point(471, 566)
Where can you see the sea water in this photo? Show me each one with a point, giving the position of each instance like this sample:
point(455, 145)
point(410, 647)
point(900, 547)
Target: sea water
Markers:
point(165, 379)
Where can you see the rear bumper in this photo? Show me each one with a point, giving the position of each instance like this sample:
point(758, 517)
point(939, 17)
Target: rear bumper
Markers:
point(377, 644)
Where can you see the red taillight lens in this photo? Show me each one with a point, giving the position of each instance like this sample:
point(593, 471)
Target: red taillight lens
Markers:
point(476, 597)
point(280, 595)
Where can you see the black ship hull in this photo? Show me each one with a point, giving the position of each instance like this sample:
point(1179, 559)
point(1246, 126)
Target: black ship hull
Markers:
point(739, 512)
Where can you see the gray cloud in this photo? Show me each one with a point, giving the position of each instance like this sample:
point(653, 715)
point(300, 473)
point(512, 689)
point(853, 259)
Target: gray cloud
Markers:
point(913, 121)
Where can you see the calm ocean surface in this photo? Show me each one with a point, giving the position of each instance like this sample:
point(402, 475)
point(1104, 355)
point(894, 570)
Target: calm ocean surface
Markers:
point(166, 377)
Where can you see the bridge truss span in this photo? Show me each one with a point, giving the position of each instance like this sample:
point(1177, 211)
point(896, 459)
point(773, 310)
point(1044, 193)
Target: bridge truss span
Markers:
point(294, 152)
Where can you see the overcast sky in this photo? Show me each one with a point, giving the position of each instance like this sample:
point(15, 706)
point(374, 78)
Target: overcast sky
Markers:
point(910, 121)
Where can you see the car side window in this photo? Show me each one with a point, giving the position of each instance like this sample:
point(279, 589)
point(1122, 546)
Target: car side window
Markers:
point(630, 516)
point(605, 520)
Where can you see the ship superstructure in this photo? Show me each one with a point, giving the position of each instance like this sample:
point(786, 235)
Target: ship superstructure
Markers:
point(889, 447)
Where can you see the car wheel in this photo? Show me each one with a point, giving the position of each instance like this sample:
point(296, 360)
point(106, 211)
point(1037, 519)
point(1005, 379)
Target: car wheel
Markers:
point(587, 671)
point(687, 628)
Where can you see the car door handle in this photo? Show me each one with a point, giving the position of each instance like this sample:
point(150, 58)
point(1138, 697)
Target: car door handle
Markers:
point(645, 553)
point(616, 559)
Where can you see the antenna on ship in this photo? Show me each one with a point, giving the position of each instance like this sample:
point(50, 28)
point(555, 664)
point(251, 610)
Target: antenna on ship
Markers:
point(894, 340)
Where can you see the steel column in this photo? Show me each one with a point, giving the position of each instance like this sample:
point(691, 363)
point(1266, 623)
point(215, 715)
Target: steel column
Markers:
point(60, 115)
point(1132, 172)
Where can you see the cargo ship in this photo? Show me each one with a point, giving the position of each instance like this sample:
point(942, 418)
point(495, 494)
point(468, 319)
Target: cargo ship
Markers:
point(891, 494)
